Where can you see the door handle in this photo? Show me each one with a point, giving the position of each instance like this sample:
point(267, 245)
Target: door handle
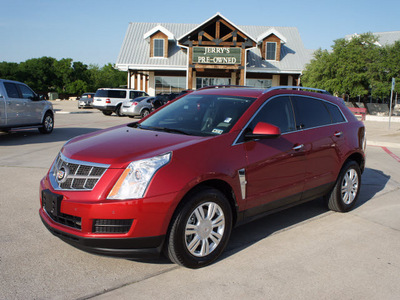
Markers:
point(338, 133)
point(298, 147)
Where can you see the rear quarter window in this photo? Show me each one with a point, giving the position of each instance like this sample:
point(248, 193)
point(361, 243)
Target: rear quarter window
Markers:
point(111, 93)
point(336, 114)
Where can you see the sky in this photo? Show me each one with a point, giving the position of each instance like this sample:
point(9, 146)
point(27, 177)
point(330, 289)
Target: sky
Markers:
point(92, 31)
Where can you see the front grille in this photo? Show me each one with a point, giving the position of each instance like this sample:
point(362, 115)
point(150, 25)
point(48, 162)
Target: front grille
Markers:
point(68, 174)
point(112, 226)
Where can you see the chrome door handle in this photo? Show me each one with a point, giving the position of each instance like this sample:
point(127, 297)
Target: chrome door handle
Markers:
point(298, 147)
point(338, 133)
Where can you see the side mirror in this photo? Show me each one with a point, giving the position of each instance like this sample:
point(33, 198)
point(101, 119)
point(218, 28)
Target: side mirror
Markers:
point(35, 98)
point(263, 131)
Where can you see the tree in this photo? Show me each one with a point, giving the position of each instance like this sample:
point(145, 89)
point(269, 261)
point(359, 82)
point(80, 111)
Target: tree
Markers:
point(355, 67)
point(9, 70)
point(39, 74)
point(65, 76)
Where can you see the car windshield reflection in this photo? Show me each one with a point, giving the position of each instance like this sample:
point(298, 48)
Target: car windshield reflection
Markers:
point(202, 115)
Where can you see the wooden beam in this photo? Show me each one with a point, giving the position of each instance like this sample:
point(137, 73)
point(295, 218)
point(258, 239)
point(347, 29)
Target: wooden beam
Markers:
point(190, 70)
point(227, 36)
point(217, 30)
point(208, 36)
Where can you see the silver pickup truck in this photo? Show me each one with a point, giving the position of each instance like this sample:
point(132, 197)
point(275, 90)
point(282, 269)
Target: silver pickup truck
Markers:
point(22, 107)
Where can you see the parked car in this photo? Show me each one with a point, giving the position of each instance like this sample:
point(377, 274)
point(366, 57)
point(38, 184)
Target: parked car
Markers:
point(181, 178)
point(86, 100)
point(110, 100)
point(141, 106)
point(20, 107)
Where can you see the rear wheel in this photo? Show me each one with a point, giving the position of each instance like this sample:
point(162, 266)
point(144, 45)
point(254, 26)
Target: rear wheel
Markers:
point(47, 124)
point(200, 230)
point(107, 113)
point(347, 188)
point(144, 113)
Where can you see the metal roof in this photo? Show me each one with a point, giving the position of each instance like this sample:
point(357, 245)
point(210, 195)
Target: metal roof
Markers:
point(135, 50)
point(384, 38)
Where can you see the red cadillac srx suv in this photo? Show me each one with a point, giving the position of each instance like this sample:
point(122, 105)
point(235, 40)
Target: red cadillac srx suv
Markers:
point(179, 179)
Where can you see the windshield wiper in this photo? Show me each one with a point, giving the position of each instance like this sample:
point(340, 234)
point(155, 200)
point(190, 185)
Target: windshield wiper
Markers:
point(165, 129)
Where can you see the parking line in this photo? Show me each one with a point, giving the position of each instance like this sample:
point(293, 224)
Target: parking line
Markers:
point(391, 154)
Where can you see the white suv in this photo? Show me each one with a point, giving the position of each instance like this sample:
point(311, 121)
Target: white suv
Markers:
point(22, 107)
point(110, 100)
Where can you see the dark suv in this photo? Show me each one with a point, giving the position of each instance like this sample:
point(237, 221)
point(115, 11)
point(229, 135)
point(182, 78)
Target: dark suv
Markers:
point(179, 179)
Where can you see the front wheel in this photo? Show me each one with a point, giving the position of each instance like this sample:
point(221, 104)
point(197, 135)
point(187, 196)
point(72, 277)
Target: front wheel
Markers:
point(347, 188)
point(200, 230)
point(47, 124)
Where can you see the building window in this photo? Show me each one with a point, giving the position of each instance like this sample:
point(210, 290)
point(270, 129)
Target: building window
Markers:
point(158, 48)
point(169, 84)
point(203, 81)
point(271, 51)
point(259, 83)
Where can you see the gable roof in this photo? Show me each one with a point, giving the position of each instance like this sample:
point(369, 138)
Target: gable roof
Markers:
point(160, 28)
point(135, 51)
point(217, 15)
point(270, 31)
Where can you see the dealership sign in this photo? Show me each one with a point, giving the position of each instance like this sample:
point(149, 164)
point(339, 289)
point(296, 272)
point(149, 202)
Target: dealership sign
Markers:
point(216, 55)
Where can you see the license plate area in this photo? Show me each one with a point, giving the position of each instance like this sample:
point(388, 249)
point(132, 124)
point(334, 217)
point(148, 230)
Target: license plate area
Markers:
point(51, 203)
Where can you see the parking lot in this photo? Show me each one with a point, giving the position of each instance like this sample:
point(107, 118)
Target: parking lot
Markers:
point(306, 252)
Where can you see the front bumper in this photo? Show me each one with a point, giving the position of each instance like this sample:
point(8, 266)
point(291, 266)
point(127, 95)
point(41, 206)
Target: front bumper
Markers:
point(75, 217)
point(147, 247)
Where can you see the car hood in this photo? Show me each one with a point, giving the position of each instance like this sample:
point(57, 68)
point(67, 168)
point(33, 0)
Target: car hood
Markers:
point(118, 146)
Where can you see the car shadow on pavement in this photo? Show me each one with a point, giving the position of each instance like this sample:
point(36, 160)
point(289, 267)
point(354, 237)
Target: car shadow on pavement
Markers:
point(244, 236)
point(373, 182)
point(32, 136)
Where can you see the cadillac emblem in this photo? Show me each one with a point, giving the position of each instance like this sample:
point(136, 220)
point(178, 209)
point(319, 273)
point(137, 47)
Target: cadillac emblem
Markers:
point(62, 174)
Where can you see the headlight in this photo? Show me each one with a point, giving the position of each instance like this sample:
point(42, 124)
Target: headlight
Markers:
point(133, 182)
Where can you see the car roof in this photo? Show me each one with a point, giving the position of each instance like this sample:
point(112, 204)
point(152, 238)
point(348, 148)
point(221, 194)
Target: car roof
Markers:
point(252, 92)
point(230, 91)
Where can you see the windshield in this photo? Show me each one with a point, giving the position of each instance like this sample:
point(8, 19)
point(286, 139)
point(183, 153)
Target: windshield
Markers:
point(201, 115)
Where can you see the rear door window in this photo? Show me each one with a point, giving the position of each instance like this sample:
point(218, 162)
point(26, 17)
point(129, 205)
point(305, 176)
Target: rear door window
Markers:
point(310, 112)
point(11, 90)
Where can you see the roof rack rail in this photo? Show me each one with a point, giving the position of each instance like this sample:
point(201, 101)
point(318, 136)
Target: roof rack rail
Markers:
point(296, 88)
point(224, 87)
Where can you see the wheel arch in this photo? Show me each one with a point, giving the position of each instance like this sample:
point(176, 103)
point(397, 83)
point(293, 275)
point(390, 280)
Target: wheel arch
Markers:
point(358, 158)
point(218, 184)
point(45, 113)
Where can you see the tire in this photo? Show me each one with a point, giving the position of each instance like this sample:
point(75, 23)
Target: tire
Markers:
point(347, 188)
point(47, 124)
point(118, 111)
point(144, 113)
point(200, 229)
point(107, 113)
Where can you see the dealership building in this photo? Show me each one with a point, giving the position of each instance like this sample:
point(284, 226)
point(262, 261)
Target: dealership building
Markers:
point(169, 58)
